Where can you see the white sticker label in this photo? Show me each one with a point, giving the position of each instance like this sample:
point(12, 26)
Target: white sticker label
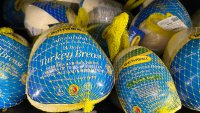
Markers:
point(172, 23)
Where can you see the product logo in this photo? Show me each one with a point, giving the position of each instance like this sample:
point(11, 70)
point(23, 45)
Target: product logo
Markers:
point(136, 40)
point(136, 60)
point(73, 90)
point(137, 109)
point(66, 29)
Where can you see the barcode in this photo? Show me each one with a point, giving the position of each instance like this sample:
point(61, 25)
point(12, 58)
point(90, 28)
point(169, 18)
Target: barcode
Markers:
point(175, 19)
point(172, 24)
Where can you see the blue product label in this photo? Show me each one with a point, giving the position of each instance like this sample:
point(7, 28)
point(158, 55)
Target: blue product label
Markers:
point(135, 34)
point(13, 69)
point(96, 32)
point(13, 14)
point(164, 6)
point(144, 84)
point(185, 70)
point(55, 9)
point(69, 67)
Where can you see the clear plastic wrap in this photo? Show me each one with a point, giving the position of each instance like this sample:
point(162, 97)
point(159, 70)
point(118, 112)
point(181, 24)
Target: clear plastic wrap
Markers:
point(101, 11)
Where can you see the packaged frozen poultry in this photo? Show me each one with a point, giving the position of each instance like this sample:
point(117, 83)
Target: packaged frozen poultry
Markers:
point(143, 83)
point(14, 54)
point(159, 21)
point(182, 58)
point(68, 71)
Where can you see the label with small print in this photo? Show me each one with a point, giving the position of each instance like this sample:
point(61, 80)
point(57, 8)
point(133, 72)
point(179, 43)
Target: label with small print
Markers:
point(144, 83)
point(13, 68)
point(69, 64)
point(172, 23)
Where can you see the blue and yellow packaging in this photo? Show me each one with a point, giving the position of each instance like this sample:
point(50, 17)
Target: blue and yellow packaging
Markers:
point(14, 54)
point(182, 58)
point(68, 71)
point(135, 36)
point(159, 21)
point(143, 83)
point(96, 32)
point(41, 15)
point(174, 7)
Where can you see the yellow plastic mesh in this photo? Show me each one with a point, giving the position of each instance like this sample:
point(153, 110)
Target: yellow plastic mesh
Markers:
point(82, 18)
point(114, 33)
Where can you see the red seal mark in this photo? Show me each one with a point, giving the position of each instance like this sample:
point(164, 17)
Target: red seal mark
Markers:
point(137, 109)
point(73, 89)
